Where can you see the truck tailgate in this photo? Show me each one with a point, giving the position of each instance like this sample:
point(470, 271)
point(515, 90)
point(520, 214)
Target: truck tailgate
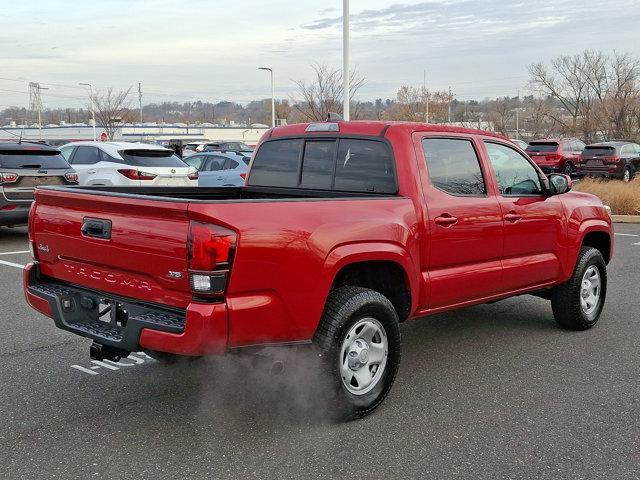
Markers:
point(143, 256)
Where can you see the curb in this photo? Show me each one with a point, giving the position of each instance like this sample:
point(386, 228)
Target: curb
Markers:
point(625, 218)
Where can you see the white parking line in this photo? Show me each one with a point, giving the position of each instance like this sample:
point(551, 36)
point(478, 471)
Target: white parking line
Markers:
point(14, 253)
point(11, 264)
point(627, 235)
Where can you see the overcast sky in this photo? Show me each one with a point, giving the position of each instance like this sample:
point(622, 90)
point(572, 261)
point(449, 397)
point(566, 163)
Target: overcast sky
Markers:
point(210, 49)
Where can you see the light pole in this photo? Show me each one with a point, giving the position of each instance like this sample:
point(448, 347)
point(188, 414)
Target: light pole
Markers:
point(273, 96)
point(93, 108)
point(345, 60)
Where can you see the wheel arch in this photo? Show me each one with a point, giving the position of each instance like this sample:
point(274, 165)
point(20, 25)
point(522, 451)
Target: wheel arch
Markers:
point(384, 267)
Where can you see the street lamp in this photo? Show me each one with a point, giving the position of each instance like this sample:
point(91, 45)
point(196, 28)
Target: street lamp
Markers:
point(93, 109)
point(345, 60)
point(273, 97)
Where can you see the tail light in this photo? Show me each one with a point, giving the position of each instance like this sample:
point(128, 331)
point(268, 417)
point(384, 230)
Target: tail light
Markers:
point(132, 174)
point(211, 250)
point(8, 177)
point(193, 176)
point(8, 207)
point(243, 176)
point(71, 177)
point(32, 242)
point(611, 159)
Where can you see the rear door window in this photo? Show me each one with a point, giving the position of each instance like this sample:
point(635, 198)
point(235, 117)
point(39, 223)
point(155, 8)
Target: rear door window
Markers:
point(276, 164)
point(627, 151)
point(194, 161)
point(454, 166)
point(66, 152)
point(30, 159)
point(86, 156)
point(364, 166)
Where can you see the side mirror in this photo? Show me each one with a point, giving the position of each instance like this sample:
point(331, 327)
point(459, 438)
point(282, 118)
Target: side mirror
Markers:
point(559, 184)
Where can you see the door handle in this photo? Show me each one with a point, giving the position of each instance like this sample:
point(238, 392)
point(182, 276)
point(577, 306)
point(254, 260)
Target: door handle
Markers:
point(512, 217)
point(445, 220)
point(91, 172)
point(96, 228)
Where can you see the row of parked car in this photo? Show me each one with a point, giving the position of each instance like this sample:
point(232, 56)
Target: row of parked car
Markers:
point(27, 165)
point(614, 159)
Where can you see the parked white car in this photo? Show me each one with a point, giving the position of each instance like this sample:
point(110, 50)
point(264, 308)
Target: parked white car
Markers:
point(128, 164)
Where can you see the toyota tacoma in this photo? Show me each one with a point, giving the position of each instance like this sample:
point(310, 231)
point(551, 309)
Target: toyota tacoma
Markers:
point(343, 231)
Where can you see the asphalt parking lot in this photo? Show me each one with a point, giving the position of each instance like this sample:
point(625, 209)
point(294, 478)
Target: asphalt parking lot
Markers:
point(494, 391)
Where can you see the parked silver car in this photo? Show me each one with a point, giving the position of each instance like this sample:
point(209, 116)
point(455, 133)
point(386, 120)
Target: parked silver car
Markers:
point(218, 169)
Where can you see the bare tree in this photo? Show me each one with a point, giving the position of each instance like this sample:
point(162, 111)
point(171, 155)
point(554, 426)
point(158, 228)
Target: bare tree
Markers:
point(502, 114)
point(112, 109)
point(411, 105)
point(324, 94)
point(599, 95)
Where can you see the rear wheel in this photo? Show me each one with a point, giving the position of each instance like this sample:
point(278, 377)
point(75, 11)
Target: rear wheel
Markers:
point(627, 175)
point(577, 304)
point(359, 337)
point(569, 169)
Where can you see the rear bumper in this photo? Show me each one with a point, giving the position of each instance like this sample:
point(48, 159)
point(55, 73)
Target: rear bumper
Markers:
point(18, 216)
point(199, 330)
point(602, 171)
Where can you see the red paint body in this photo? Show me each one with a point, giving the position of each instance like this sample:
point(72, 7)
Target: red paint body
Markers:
point(289, 252)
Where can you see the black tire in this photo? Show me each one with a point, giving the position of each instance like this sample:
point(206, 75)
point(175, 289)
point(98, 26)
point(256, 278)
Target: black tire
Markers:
point(565, 298)
point(568, 168)
point(169, 358)
point(345, 308)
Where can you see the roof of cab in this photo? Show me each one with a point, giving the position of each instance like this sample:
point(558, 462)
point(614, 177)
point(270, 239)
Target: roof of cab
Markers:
point(377, 128)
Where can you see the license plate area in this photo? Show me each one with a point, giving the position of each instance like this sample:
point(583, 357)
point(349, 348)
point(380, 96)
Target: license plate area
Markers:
point(112, 313)
point(107, 319)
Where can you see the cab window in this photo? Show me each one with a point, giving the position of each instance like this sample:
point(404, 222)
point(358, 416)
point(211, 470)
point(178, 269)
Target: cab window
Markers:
point(514, 173)
point(454, 166)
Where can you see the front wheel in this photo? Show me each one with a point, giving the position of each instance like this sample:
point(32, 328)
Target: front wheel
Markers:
point(359, 339)
point(577, 304)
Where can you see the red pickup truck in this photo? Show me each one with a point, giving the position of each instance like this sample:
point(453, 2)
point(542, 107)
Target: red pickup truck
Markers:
point(343, 231)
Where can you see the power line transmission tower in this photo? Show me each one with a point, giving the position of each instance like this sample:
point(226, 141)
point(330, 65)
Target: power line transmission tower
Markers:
point(140, 99)
point(35, 102)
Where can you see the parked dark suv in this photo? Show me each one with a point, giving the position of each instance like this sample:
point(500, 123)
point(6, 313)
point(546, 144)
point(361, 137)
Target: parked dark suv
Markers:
point(556, 154)
point(24, 166)
point(617, 159)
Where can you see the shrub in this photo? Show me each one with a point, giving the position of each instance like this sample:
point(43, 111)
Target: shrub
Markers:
point(623, 198)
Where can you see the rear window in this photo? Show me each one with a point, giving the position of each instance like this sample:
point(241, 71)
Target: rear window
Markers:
point(32, 159)
point(276, 164)
point(151, 158)
point(364, 166)
point(598, 151)
point(542, 147)
point(349, 165)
